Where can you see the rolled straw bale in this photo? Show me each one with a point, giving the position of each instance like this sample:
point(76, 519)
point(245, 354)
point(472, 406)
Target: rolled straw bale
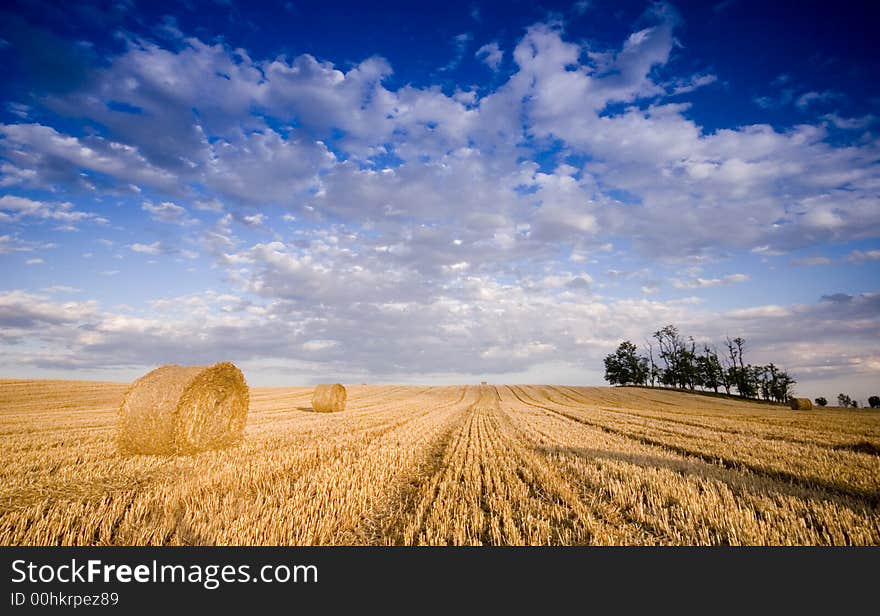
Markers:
point(329, 398)
point(184, 409)
point(800, 404)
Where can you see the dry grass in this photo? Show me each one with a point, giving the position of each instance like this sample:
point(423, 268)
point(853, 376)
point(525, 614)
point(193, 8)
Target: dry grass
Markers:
point(446, 465)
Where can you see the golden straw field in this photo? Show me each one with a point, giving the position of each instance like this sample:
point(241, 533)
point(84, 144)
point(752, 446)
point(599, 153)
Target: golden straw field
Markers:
point(510, 465)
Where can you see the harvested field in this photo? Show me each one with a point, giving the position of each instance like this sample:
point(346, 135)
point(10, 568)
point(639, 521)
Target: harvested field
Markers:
point(463, 465)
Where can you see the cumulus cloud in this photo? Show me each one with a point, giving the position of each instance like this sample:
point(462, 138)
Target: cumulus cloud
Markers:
point(401, 225)
point(723, 186)
point(40, 156)
point(264, 167)
point(476, 323)
point(14, 208)
point(169, 212)
point(23, 313)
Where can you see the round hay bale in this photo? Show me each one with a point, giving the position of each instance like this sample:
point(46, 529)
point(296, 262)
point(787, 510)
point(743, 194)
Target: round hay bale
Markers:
point(800, 404)
point(329, 398)
point(184, 409)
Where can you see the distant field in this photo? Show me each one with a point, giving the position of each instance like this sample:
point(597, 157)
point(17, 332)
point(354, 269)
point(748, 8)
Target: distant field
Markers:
point(509, 465)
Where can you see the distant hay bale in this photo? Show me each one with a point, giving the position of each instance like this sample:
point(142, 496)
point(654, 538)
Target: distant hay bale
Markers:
point(329, 398)
point(800, 404)
point(483, 383)
point(184, 409)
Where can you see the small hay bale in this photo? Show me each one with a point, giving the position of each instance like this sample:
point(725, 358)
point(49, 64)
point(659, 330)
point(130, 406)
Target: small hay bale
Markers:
point(184, 409)
point(800, 404)
point(329, 398)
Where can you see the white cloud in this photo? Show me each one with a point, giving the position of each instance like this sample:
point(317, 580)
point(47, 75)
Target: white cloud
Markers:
point(319, 345)
point(208, 205)
point(460, 43)
point(491, 54)
point(11, 243)
point(60, 288)
point(723, 186)
point(169, 212)
point(850, 123)
point(39, 155)
point(24, 314)
point(704, 283)
point(812, 98)
point(770, 312)
point(488, 327)
point(15, 208)
point(151, 249)
point(419, 225)
point(693, 83)
point(860, 256)
point(255, 221)
point(264, 167)
point(811, 261)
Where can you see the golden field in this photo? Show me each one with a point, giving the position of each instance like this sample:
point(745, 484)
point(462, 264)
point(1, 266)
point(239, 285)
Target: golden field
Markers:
point(510, 465)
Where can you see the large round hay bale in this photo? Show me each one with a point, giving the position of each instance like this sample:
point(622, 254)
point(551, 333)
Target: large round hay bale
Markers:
point(329, 398)
point(800, 404)
point(184, 409)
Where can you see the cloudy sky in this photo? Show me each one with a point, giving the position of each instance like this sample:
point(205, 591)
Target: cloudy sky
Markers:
point(437, 192)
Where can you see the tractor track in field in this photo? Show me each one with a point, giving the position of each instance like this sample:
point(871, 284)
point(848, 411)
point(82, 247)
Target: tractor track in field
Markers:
point(579, 401)
point(858, 497)
point(478, 449)
point(456, 465)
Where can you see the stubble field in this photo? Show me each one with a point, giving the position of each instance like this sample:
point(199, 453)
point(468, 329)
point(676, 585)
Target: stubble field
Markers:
point(510, 465)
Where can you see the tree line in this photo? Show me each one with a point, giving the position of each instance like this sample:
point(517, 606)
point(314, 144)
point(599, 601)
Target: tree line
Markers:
point(844, 400)
point(670, 360)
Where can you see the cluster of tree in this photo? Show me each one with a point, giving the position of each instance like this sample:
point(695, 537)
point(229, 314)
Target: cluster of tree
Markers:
point(844, 400)
point(671, 360)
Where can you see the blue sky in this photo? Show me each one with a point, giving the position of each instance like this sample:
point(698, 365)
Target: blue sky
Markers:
point(437, 192)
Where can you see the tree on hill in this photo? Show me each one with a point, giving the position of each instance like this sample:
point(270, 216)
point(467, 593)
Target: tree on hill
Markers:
point(779, 383)
point(625, 367)
point(710, 370)
point(679, 371)
point(820, 401)
point(874, 402)
point(843, 400)
point(684, 367)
